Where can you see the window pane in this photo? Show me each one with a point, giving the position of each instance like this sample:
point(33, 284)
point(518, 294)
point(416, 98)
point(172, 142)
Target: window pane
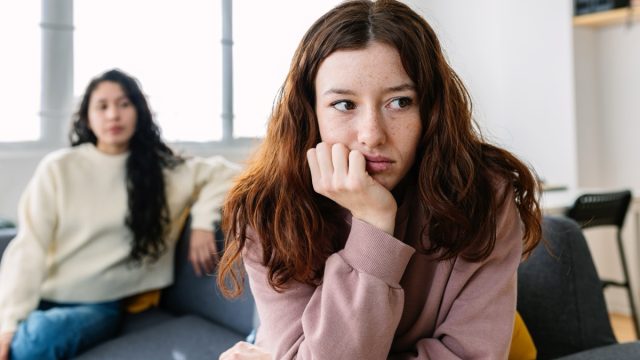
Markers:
point(20, 70)
point(262, 51)
point(173, 49)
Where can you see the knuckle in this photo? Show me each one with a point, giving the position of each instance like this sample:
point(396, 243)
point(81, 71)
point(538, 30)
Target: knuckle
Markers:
point(339, 185)
point(326, 184)
point(354, 185)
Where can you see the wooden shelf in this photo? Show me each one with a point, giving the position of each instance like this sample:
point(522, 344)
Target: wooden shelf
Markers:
point(610, 17)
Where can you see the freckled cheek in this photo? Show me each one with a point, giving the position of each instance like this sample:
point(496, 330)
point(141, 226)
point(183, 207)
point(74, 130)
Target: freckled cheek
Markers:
point(406, 136)
point(333, 132)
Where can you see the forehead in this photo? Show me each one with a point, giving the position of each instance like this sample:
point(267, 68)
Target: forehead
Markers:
point(106, 90)
point(376, 64)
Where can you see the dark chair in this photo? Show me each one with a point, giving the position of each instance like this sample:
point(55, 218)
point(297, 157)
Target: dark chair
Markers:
point(607, 209)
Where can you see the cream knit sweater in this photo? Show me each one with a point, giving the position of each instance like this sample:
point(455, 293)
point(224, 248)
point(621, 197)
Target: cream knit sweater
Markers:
point(73, 244)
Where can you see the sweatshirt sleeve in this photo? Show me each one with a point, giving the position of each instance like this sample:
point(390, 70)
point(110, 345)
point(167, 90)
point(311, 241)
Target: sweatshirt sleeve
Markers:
point(23, 266)
point(212, 179)
point(477, 321)
point(353, 314)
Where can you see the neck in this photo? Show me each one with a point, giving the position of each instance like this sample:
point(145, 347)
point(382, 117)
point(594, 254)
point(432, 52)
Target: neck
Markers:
point(112, 149)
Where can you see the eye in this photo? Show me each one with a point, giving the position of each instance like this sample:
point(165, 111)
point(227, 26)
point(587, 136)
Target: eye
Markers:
point(125, 103)
point(343, 105)
point(401, 102)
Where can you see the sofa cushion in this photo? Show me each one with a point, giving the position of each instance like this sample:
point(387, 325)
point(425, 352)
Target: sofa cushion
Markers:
point(186, 337)
point(145, 319)
point(612, 352)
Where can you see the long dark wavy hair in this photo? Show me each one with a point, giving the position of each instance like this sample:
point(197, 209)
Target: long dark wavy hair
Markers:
point(455, 170)
point(148, 214)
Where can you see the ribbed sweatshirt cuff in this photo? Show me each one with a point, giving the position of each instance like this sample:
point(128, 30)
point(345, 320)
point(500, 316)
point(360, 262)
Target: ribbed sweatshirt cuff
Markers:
point(373, 251)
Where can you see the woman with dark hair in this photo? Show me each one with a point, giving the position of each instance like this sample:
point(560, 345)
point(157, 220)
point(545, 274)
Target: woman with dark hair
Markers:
point(98, 224)
point(374, 221)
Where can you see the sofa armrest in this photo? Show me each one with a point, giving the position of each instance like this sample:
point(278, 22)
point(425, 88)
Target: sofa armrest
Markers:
point(559, 293)
point(6, 235)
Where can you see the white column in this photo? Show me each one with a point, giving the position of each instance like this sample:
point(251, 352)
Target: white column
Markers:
point(227, 71)
point(56, 99)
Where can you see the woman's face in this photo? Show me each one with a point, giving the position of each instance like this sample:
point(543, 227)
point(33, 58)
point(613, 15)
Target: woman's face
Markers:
point(112, 117)
point(366, 101)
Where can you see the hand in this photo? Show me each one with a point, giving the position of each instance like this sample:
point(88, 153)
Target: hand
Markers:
point(203, 254)
point(341, 175)
point(245, 351)
point(5, 345)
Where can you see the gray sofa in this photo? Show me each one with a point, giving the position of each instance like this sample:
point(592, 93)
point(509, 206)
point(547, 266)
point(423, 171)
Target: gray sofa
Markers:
point(6, 234)
point(560, 299)
point(194, 321)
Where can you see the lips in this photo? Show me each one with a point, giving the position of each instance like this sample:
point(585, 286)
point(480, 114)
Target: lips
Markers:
point(377, 164)
point(115, 129)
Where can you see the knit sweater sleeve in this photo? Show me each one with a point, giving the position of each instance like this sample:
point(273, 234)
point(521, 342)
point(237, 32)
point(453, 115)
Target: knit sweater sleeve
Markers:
point(212, 178)
point(353, 314)
point(23, 266)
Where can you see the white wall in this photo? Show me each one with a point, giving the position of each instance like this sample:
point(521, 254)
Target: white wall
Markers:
point(590, 147)
point(618, 50)
point(608, 84)
point(518, 70)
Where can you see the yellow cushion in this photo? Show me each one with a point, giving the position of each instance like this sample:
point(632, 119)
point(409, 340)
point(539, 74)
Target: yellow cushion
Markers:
point(141, 302)
point(522, 347)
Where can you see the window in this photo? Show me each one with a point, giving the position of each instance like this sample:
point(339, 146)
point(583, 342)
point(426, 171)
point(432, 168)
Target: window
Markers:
point(20, 71)
point(172, 47)
point(265, 36)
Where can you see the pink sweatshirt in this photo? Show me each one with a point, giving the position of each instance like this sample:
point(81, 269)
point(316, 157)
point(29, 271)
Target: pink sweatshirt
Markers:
point(380, 299)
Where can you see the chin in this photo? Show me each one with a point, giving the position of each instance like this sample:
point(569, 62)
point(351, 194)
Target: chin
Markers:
point(388, 184)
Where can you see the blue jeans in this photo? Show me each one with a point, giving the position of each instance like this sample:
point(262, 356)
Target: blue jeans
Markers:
point(61, 331)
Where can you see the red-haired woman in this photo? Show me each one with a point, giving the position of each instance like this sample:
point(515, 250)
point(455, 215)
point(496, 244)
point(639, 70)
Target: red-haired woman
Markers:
point(374, 222)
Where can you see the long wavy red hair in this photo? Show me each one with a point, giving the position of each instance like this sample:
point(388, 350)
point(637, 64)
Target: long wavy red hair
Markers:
point(455, 169)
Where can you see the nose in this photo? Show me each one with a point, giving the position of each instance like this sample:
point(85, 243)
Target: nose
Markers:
point(113, 113)
point(371, 131)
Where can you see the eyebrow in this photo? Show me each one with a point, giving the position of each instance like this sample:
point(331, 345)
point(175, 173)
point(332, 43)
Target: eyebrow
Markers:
point(392, 89)
point(398, 88)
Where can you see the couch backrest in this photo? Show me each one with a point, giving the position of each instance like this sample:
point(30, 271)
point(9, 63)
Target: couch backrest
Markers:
point(200, 295)
point(560, 295)
point(6, 235)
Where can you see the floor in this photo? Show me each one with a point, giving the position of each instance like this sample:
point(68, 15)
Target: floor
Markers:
point(622, 327)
